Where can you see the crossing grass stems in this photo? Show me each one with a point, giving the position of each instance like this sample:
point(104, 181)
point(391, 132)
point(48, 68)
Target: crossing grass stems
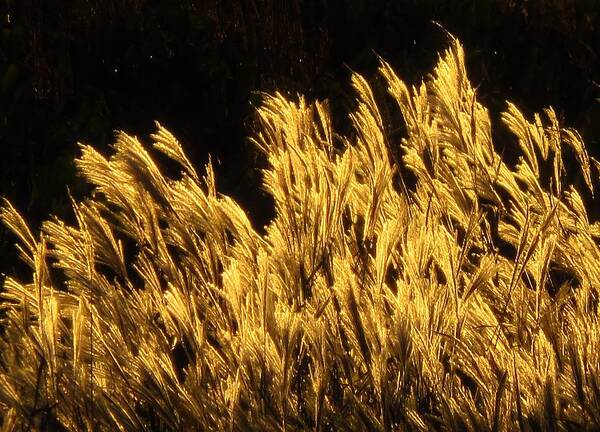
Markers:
point(368, 304)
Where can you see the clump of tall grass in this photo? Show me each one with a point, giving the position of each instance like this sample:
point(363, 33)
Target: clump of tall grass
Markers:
point(465, 300)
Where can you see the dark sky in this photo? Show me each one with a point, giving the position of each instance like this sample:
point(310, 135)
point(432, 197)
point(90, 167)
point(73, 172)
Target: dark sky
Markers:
point(77, 71)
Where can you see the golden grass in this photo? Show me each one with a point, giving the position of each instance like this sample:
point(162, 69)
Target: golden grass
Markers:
point(367, 305)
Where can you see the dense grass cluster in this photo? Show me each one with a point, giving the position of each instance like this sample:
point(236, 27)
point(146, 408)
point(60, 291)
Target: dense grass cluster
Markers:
point(463, 299)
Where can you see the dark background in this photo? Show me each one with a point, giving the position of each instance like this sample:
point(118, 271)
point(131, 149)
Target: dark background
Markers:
point(77, 70)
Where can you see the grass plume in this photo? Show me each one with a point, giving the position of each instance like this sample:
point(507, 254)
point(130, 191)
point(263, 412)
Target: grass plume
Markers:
point(466, 301)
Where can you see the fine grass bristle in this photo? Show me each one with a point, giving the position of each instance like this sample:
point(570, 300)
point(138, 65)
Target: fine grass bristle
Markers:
point(465, 301)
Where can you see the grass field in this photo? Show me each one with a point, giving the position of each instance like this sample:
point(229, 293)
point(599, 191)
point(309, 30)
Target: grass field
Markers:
point(447, 289)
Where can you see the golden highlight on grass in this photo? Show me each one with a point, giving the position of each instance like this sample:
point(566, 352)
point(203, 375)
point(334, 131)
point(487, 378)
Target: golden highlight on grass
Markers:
point(465, 300)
